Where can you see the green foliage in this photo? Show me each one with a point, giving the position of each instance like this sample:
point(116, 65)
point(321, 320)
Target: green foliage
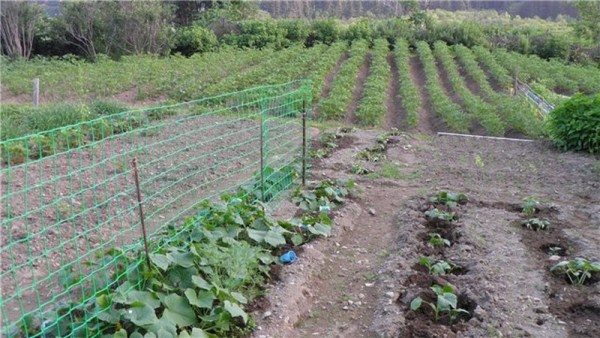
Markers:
point(577, 270)
point(411, 99)
point(323, 197)
point(452, 114)
point(372, 107)
point(436, 268)
point(195, 39)
point(446, 304)
point(334, 106)
point(449, 199)
point(326, 31)
point(575, 124)
point(436, 240)
point(440, 216)
point(361, 29)
point(297, 31)
point(324, 66)
point(274, 182)
point(258, 34)
point(529, 206)
point(536, 224)
point(483, 112)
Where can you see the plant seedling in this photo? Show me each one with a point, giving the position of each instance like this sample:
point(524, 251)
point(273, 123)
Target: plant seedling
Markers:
point(578, 270)
point(536, 224)
point(447, 303)
point(449, 199)
point(436, 240)
point(439, 215)
point(438, 268)
point(358, 169)
point(529, 206)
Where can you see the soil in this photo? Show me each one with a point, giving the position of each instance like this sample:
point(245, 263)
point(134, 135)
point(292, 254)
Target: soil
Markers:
point(396, 116)
point(357, 94)
point(427, 122)
point(359, 282)
point(329, 80)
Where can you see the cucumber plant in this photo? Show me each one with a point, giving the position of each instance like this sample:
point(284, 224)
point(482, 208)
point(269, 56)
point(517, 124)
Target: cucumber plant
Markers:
point(577, 270)
point(436, 240)
point(536, 224)
point(449, 199)
point(529, 206)
point(446, 303)
point(436, 268)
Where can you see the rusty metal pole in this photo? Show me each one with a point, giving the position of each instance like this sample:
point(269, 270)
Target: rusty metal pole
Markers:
point(141, 210)
point(303, 143)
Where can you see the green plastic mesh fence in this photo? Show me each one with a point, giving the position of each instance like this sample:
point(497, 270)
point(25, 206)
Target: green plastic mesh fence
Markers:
point(68, 194)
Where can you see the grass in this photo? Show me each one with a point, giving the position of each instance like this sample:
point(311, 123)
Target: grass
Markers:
point(393, 171)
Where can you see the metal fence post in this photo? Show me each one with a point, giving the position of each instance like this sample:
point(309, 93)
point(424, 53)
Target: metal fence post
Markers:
point(303, 142)
point(262, 151)
point(141, 210)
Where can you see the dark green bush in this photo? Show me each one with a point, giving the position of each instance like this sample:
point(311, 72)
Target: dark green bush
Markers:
point(326, 31)
point(297, 31)
point(195, 39)
point(258, 34)
point(575, 124)
point(361, 29)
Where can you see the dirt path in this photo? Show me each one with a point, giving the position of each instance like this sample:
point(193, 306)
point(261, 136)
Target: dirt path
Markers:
point(396, 116)
point(357, 94)
point(426, 114)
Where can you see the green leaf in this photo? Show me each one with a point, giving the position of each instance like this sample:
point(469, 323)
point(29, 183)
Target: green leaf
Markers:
point(161, 261)
point(179, 310)
point(183, 259)
point(297, 239)
point(200, 282)
point(120, 334)
point(446, 301)
point(203, 300)
point(235, 311)
point(196, 333)
point(416, 303)
point(140, 314)
point(239, 297)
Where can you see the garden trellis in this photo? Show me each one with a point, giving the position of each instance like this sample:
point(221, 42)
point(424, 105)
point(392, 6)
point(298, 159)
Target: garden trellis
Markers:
point(68, 194)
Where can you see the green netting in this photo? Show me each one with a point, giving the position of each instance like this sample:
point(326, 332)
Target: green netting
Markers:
point(68, 194)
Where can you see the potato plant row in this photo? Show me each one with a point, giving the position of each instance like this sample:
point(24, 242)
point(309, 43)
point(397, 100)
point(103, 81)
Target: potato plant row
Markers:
point(324, 66)
point(452, 114)
point(484, 113)
point(411, 99)
point(516, 111)
point(553, 74)
point(277, 69)
point(372, 108)
point(334, 106)
point(499, 73)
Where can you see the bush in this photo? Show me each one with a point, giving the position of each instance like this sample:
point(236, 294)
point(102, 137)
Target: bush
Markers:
point(575, 124)
point(297, 31)
point(326, 31)
point(361, 29)
point(195, 39)
point(258, 34)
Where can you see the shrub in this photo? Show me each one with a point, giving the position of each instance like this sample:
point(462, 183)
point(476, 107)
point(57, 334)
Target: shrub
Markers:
point(361, 29)
point(258, 34)
point(296, 31)
point(326, 31)
point(195, 39)
point(575, 124)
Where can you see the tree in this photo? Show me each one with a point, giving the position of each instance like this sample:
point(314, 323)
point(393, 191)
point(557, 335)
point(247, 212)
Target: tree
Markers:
point(90, 26)
point(17, 27)
point(145, 26)
point(588, 24)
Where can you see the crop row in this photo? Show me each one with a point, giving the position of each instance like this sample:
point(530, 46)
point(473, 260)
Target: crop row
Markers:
point(335, 105)
point(176, 76)
point(499, 73)
point(452, 114)
point(324, 66)
point(372, 108)
point(554, 75)
point(411, 100)
point(516, 111)
point(481, 110)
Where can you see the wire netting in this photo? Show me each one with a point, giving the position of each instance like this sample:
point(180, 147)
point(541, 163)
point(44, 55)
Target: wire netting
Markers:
point(68, 194)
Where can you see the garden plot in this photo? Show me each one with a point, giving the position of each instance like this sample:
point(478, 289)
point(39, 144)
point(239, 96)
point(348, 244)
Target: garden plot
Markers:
point(363, 280)
point(65, 209)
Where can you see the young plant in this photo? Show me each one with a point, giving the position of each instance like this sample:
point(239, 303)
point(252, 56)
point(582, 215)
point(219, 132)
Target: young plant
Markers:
point(436, 240)
point(536, 224)
point(577, 270)
point(438, 268)
point(358, 169)
point(449, 199)
point(529, 206)
point(440, 216)
point(446, 304)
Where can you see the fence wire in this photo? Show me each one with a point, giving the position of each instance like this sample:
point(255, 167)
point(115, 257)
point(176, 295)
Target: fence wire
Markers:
point(68, 194)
